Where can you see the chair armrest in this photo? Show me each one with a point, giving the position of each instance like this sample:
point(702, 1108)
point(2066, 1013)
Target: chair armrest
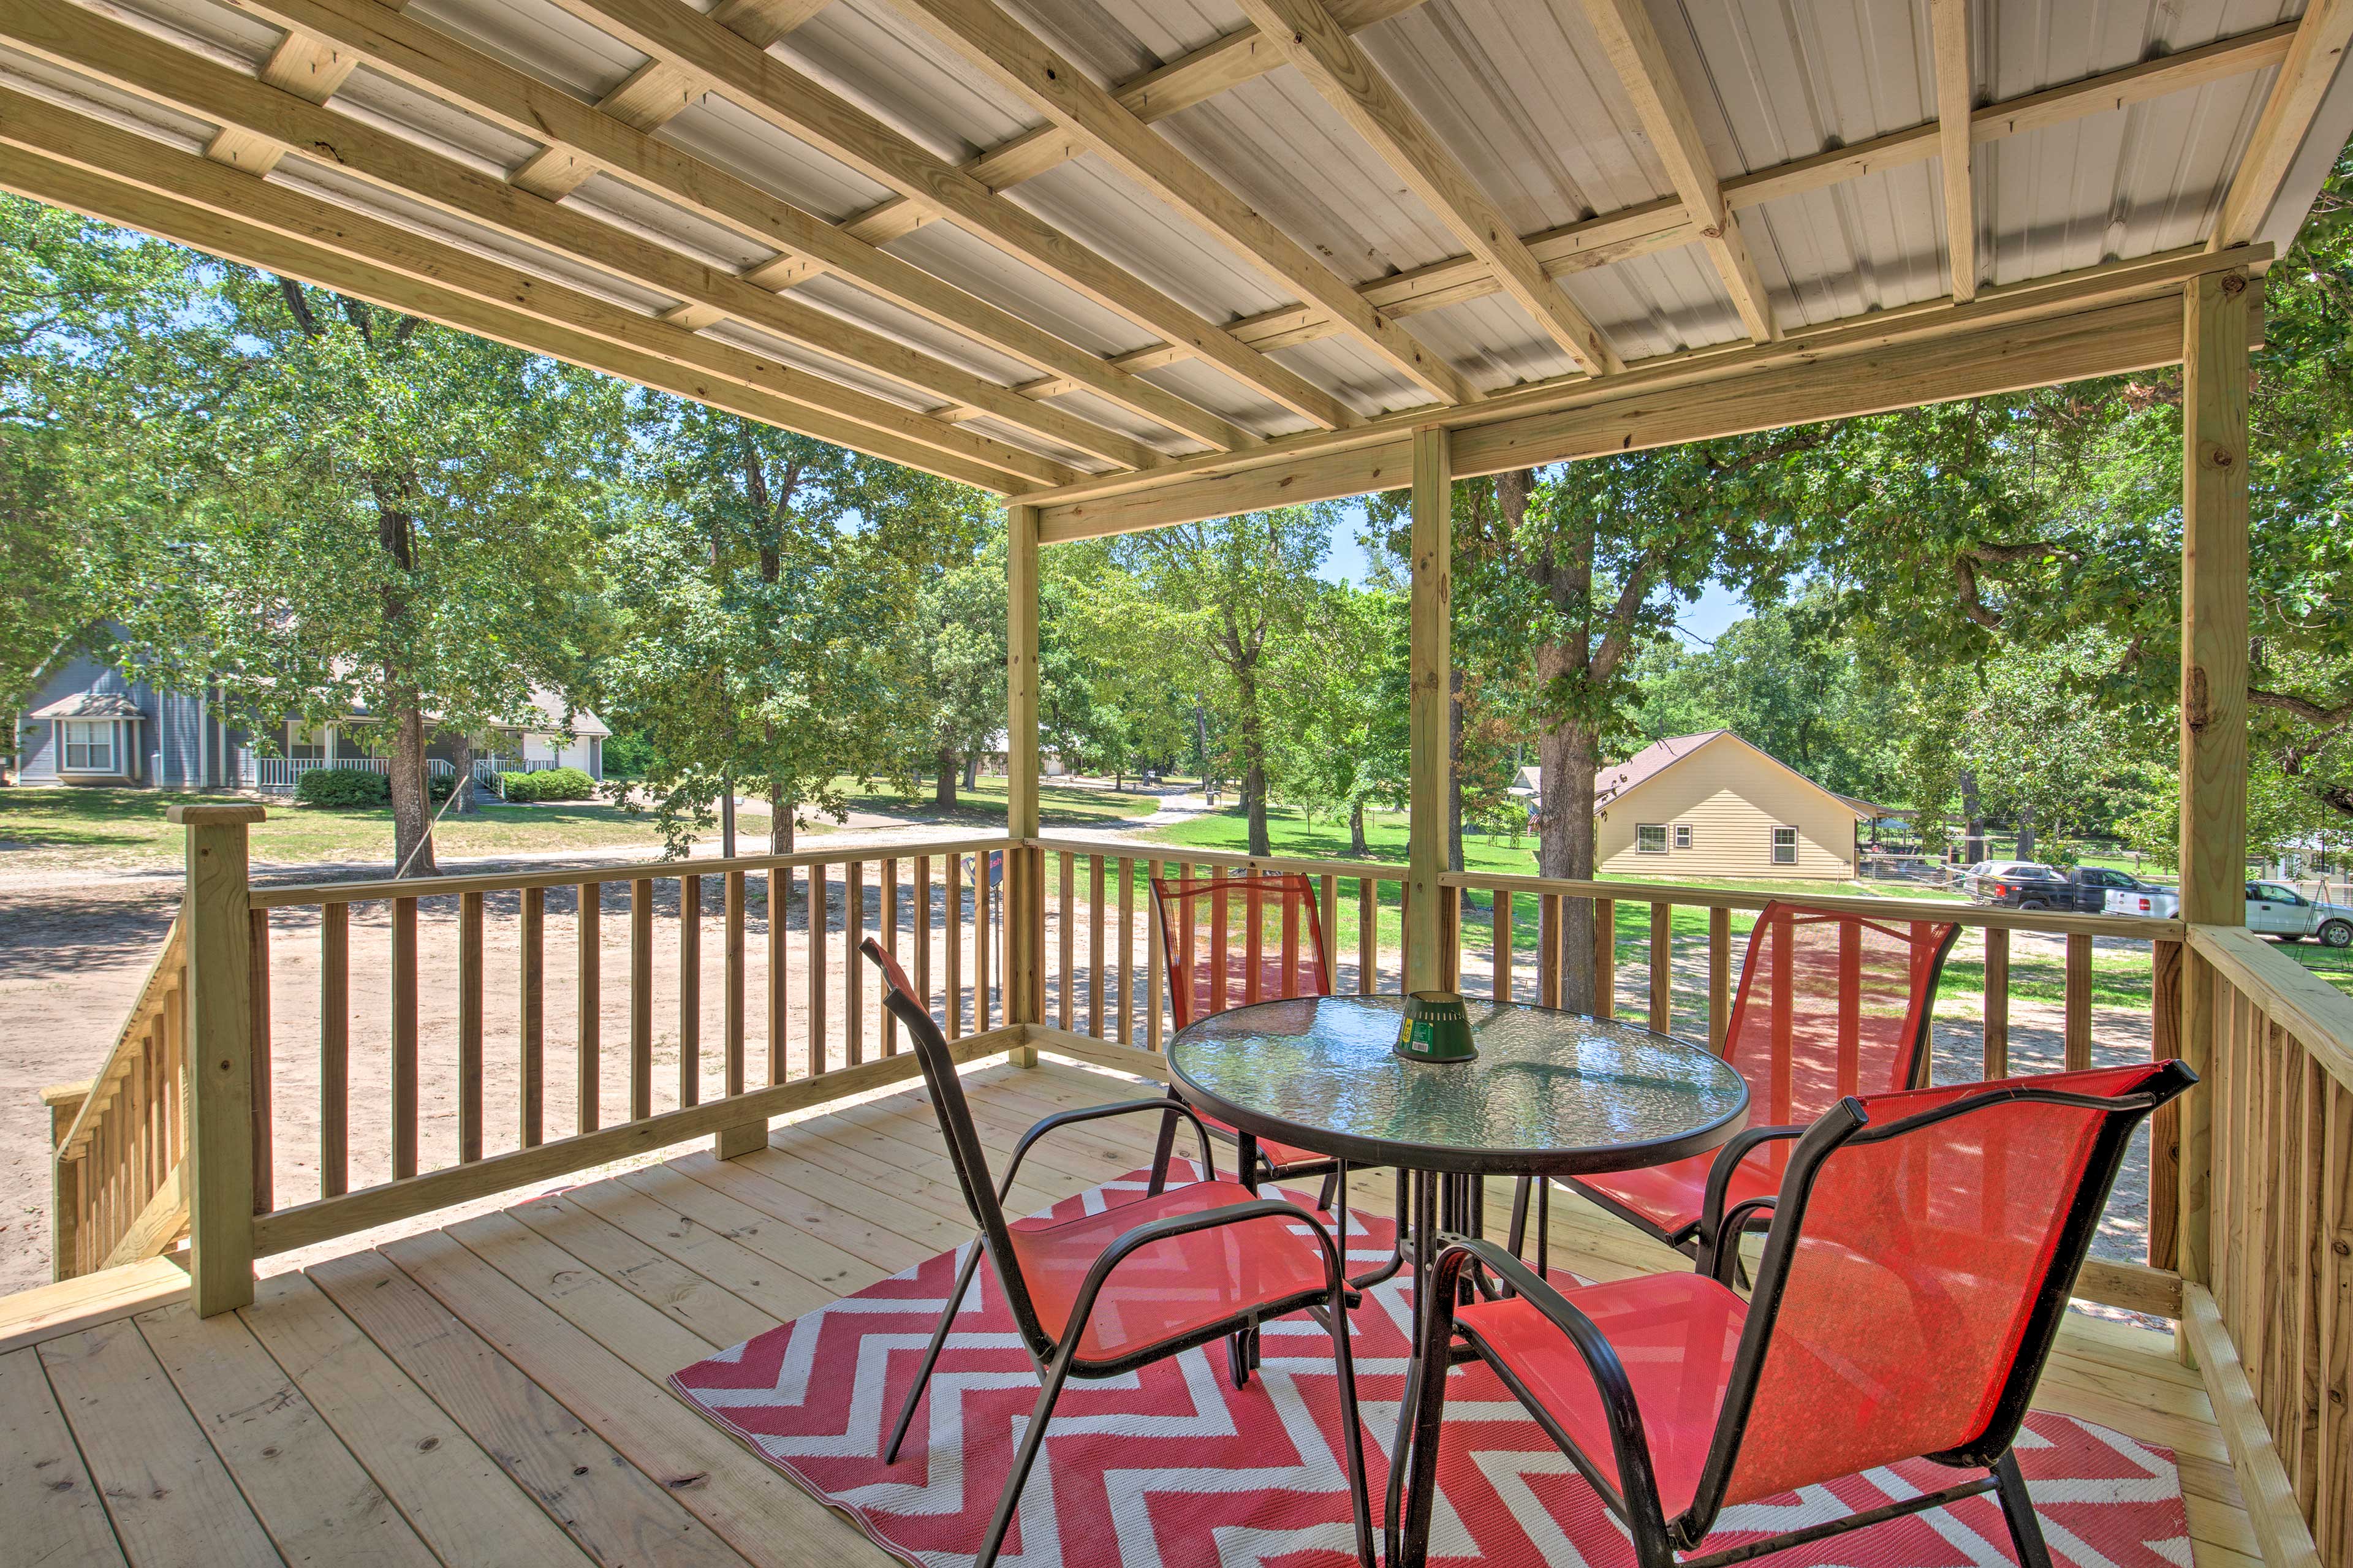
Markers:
point(1169, 1105)
point(1719, 1186)
point(1637, 1487)
point(1151, 1231)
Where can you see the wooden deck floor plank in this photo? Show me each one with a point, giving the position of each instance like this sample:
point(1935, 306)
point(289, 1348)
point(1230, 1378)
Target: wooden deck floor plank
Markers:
point(887, 1233)
point(919, 1223)
point(652, 1341)
point(53, 1510)
point(170, 1499)
point(608, 1504)
point(318, 1503)
point(453, 1493)
point(932, 1187)
point(777, 1291)
point(916, 1142)
point(46, 1312)
point(710, 1309)
point(812, 1257)
point(765, 1516)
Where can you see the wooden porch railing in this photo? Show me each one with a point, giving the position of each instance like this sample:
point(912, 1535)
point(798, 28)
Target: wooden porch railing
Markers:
point(117, 1187)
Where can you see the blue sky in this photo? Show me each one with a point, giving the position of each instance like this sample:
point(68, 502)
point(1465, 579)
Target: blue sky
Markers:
point(1705, 620)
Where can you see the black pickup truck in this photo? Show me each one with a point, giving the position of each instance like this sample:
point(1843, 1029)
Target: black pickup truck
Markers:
point(2084, 890)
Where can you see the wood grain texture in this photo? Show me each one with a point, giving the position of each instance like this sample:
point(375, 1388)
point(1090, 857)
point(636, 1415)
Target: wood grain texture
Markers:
point(1955, 90)
point(1430, 659)
point(217, 999)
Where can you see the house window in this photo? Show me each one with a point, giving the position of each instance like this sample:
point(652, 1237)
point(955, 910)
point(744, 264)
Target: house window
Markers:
point(1683, 835)
point(90, 745)
point(1785, 847)
point(1651, 837)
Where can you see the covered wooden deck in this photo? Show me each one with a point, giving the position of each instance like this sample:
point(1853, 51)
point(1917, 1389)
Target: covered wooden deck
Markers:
point(491, 1392)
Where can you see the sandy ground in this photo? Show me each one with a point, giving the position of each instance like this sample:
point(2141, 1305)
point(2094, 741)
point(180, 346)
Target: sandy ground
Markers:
point(72, 955)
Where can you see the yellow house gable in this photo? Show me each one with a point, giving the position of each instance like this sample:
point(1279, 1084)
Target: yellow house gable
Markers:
point(1725, 808)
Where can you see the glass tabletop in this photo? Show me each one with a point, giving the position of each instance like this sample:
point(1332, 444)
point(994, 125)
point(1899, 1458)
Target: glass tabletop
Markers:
point(1551, 1093)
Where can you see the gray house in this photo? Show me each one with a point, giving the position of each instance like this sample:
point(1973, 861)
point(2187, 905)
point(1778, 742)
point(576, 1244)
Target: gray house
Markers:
point(91, 722)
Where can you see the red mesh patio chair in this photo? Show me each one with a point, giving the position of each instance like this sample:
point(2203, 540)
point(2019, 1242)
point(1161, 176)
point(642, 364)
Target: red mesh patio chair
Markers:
point(1830, 1004)
point(1922, 1249)
point(1103, 1294)
point(1272, 939)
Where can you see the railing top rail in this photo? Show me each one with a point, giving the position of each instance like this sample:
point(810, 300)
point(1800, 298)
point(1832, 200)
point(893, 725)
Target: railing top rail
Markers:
point(152, 992)
point(1890, 909)
point(312, 895)
point(1192, 855)
point(2319, 1014)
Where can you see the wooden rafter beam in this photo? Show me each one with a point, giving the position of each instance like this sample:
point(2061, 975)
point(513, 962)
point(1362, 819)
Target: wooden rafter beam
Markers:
point(793, 103)
point(303, 65)
point(1345, 77)
point(1642, 67)
point(2311, 64)
point(73, 184)
point(142, 64)
point(1018, 60)
point(434, 63)
point(1955, 85)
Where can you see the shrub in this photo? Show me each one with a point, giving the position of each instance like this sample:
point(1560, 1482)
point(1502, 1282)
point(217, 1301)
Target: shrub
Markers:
point(555, 784)
point(341, 790)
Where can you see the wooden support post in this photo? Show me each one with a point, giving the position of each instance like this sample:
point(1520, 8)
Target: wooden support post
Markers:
point(1025, 893)
point(1429, 657)
point(2213, 697)
point(2164, 1125)
point(219, 1032)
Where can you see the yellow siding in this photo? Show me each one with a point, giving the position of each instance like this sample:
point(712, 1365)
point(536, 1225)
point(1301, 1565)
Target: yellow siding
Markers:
point(1731, 795)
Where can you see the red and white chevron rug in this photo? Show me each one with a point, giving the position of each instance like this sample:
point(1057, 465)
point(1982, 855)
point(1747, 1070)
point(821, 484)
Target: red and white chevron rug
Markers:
point(1172, 1467)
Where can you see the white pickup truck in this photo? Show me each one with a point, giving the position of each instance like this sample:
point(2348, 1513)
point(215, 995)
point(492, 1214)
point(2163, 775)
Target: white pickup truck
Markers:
point(2273, 909)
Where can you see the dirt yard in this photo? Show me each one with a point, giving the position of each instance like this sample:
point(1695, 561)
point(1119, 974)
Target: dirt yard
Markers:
point(71, 956)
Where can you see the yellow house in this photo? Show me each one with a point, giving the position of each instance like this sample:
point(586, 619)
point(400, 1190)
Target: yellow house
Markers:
point(1712, 805)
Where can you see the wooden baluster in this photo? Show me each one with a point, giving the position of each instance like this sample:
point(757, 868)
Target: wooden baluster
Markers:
point(1549, 926)
point(690, 990)
point(1290, 947)
point(1662, 968)
point(890, 946)
point(1450, 937)
point(470, 1027)
point(1369, 935)
point(982, 897)
point(1328, 930)
point(780, 901)
point(532, 1007)
point(1152, 960)
point(592, 1003)
point(1253, 938)
point(641, 998)
point(1605, 958)
point(954, 951)
point(2165, 1124)
point(2079, 1001)
point(920, 897)
point(1719, 977)
point(1499, 922)
point(1066, 865)
point(1783, 1019)
point(404, 1038)
point(334, 1049)
point(1096, 945)
point(265, 1186)
point(738, 894)
point(1124, 1019)
point(1850, 1006)
point(853, 965)
point(1996, 1003)
point(818, 1041)
point(1217, 954)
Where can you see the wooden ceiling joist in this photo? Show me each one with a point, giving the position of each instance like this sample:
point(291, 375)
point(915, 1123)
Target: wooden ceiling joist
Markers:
point(1346, 79)
point(1641, 60)
point(1007, 52)
point(306, 67)
point(142, 64)
point(2321, 38)
point(31, 171)
point(767, 87)
point(431, 61)
point(1956, 84)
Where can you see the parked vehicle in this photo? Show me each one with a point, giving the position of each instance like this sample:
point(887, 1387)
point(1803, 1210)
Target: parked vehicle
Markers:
point(1973, 880)
point(2023, 885)
point(2273, 909)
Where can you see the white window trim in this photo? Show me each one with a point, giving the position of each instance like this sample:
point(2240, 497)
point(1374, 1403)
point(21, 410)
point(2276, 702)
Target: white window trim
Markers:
point(114, 768)
point(1773, 844)
point(1683, 836)
point(1641, 848)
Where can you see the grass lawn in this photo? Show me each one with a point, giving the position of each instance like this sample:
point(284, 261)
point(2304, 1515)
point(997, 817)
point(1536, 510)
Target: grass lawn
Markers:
point(1059, 804)
point(126, 829)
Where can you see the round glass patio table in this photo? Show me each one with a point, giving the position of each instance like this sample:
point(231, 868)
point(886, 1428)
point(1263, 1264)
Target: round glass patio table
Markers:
point(1550, 1093)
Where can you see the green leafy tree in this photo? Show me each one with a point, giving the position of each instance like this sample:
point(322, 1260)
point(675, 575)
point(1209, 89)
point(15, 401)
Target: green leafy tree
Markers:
point(957, 642)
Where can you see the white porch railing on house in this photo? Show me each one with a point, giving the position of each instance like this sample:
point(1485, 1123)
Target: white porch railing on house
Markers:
point(280, 774)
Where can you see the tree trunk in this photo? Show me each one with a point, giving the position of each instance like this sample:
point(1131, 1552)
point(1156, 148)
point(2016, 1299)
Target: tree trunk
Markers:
point(461, 754)
point(2026, 833)
point(1454, 770)
point(1253, 750)
point(780, 818)
point(1973, 845)
point(972, 771)
point(1570, 755)
point(943, 786)
point(412, 806)
point(1357, 845)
